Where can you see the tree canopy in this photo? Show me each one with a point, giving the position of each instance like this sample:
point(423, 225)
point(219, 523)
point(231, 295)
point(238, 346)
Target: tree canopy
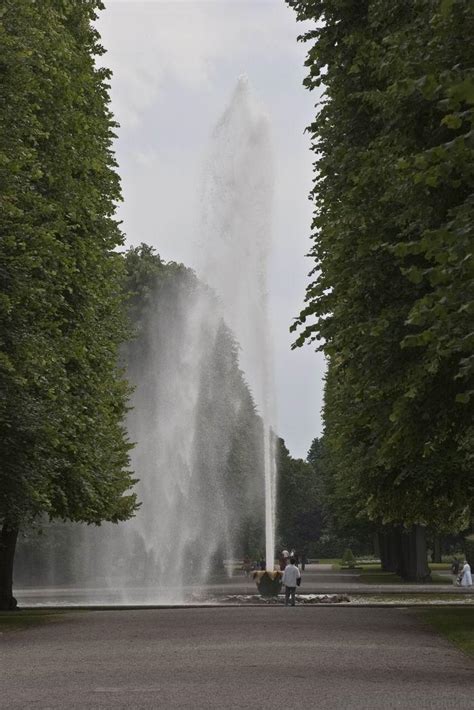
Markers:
point(299, 506)
point(392, 295)
point(62, 441)
point(227, 457)
point(198, 446)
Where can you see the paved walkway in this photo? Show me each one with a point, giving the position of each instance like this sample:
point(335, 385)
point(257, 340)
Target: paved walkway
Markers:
point(218, 659)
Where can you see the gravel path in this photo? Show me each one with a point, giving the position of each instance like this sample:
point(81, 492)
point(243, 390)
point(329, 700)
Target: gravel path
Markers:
point(257, 658)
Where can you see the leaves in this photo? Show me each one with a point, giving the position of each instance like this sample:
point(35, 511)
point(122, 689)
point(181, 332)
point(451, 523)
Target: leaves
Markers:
point(227, 457)
point(392, 243)
point(62, 443)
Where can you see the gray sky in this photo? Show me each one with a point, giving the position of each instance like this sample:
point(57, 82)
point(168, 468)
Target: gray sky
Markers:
point(175, 67)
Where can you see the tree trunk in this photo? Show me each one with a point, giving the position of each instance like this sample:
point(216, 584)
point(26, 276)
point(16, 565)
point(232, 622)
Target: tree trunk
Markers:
point(382, 537)
point(414, 562)
point(437, 548)
point(390, 553)
point(8, 538)
point(394, 551)
point(377, 547)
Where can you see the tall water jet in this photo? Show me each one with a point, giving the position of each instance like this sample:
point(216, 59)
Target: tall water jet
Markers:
point(199, 455)
point(190, 407)
point(235, 244)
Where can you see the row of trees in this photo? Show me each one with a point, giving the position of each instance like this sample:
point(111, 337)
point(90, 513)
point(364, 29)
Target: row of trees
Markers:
point(311, 517)
point(63, 447)
point(226, 494)
point(168, 305)
point(392, 297)
point(299, 508)
point(66, 292)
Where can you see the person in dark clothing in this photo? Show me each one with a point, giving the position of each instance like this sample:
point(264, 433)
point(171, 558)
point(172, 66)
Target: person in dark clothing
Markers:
point(304, 561)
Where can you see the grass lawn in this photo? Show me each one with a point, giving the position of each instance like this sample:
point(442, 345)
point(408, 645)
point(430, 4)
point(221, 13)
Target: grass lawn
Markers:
point(329, 560)
point(17, 620)
point(378, 577)
point(441, 579)
point(457, 625)
point(425, 598)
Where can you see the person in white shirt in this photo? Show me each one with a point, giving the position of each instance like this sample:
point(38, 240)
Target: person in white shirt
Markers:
point(290, 577)
point(466, 580)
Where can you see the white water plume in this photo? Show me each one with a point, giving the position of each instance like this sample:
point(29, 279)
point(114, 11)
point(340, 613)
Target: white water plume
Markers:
point(200, 453)
point(235, 245)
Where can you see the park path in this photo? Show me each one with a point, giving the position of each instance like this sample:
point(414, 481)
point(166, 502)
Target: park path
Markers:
point(220, 658)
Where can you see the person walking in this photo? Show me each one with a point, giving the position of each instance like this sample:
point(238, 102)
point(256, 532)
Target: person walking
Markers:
point(466, 580)
point(291, 575)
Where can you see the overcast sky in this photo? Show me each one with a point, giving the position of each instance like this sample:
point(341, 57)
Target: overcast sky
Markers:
point(176, 64)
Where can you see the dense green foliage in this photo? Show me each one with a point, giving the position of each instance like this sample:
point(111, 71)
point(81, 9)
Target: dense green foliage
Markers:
point(227, 449)
point(312, 515)
point(341, 526)
point(228, 436)
point(63, 399)
point(469, 549)
point(299, 512)
point(392, 299)
point(348, 558)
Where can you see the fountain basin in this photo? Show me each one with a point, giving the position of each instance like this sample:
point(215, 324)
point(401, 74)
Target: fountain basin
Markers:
point(301, 599)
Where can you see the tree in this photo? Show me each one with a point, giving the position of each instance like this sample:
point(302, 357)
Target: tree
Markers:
point(62, 442)
point(299, 514)
point(344, 522)
point(228, 441)
point(391, 300)
point(198, 444)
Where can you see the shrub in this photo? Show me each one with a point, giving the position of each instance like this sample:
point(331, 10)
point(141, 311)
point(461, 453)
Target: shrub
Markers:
point(348, 558)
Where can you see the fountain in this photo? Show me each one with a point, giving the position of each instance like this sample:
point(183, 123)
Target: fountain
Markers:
point(181, 456)
point(234, 247)
point(191, 396)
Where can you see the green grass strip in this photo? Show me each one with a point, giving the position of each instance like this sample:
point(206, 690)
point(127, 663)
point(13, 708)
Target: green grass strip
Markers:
point(17, 620)
point(457, 625)
point(391, 578)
